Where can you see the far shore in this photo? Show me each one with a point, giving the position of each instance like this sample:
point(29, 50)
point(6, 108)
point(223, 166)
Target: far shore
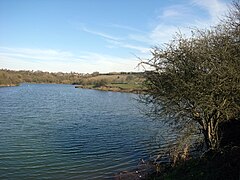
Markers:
point(125, 88)
point(112, 88)
point(8, 85)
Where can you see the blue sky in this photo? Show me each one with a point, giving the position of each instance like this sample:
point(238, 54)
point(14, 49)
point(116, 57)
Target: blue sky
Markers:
point(94, 35)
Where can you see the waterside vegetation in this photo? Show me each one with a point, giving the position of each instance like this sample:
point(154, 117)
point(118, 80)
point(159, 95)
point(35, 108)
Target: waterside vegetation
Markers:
point(10, 77)
point(121, 82)
point(195, 89)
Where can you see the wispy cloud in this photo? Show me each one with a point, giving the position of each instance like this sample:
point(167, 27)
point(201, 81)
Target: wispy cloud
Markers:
point(138, 37)
point(122, 44)
point(98, 33)
point(125, 27)
point(174, 19)
point(163, 33)
point(36, 54)
point(215, 8)
point(118, 41)
point(159, 34)
point(55, 61)
point(174, 11)
point(170, 13)
point(138, 48)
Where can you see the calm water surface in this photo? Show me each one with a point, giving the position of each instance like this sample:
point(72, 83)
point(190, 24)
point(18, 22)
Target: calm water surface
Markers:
point(59, 132)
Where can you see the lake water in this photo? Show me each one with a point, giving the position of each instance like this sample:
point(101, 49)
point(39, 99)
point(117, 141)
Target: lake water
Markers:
point(60, 132)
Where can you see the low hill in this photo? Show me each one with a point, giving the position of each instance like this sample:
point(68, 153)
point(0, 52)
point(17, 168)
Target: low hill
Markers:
point(123, 81)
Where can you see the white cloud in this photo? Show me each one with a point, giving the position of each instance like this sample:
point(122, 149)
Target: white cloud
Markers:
point(55, 61)
point(166, 26)
point(36, 54)
point(215, 8)
point(116, 41)
point(170, 13)
point(174, 11)
point(140, 49)
point(129, 28)
point(101, 34)
point(162, 33)
point(140, 38)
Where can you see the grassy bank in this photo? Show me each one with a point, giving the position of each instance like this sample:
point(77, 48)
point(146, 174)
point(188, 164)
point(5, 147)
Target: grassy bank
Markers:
point(128, 88)
point(119, 82)
point(8, 85)
point(123, 82)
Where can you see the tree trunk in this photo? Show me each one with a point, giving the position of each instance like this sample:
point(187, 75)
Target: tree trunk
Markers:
point(211, 137)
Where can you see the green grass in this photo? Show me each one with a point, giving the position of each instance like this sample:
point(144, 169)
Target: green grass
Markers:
point(126, 86)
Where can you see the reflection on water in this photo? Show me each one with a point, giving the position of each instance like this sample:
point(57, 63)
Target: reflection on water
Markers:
point(59, 132)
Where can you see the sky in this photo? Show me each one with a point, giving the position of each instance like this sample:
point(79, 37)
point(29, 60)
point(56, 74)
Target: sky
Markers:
point(85, 36)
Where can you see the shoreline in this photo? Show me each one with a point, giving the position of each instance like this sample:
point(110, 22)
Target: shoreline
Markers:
point(101, 88)
point(112, 89)
point(8, 85)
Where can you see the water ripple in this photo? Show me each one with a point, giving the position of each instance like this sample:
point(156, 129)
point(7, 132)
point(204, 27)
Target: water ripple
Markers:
point(59, 132)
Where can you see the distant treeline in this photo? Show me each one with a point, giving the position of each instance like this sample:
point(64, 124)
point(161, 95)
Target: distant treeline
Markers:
point(10, 77)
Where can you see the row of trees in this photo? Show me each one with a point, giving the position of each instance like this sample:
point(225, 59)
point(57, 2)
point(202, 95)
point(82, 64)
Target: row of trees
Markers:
point(195, 84)
point(8, 77)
